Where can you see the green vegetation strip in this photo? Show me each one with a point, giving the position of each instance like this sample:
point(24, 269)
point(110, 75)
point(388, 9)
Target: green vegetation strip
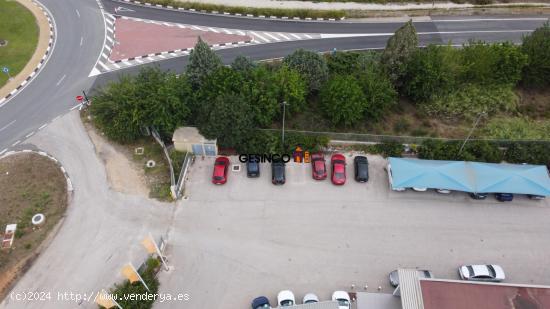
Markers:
point(290, 13)
point(18, 27)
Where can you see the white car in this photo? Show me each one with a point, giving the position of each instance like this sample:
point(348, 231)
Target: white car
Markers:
point(443, 191)
point(420, 189)
point(343, 299)
point(388, 169)
point(310, 298)
point(286, 298)
point(491, 273)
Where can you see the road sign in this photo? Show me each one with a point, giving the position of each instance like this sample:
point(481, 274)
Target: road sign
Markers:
point(5, 70)
point(79, 98)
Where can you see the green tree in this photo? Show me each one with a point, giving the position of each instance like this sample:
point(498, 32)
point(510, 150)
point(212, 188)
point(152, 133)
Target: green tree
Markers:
point(342, 62)
point(398, 51)
point(243, 64)
point(537, 47)
point(202, 62)
point(291, 88)
point(310, 65)
point(431, 71)
point(379, 92)
point(343, 100)
point(263, 91)
point(229, 119)
point(114, 109)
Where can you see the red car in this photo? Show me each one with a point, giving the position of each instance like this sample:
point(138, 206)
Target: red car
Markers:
point(221, 166)
point(338, 163)
point(318, 166)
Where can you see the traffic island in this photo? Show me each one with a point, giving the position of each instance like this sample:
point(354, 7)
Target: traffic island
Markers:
point(32, 204)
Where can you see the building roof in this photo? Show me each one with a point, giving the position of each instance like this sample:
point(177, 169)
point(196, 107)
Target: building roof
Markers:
point(409, 288)
point(319, 305)
point(450, 294)
point(470, 176)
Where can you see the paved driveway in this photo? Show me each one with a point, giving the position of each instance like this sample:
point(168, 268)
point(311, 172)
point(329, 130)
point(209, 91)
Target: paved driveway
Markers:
point(247, 238)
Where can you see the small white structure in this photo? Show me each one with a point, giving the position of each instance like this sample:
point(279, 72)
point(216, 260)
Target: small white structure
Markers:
point(188, 139)
point(9, 235)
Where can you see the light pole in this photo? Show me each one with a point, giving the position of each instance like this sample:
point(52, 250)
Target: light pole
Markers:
point(283, 131)
point(471, 131)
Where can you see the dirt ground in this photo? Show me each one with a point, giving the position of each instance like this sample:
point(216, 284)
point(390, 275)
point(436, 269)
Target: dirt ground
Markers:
point(30, 184)
point(126, 171)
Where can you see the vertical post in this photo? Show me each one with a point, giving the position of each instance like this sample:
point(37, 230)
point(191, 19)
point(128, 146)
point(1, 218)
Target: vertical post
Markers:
point(471, 132)
point(283, 132)
point(86, 97)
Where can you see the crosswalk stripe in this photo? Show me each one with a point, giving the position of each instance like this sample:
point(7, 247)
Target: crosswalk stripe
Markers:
point(103, 65)
point(272, 36)
point(284, 36)
point(294, 35)
point(227, 31)
point(213, 30)
point(197, 28)
point(308, 36)
point(260, 37)
point(240, 32)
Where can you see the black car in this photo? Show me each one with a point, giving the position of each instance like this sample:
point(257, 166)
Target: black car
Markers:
point(278, 173)
point(260, 302)
point(361, 165)
point(504, 197)
point(478, 196)
point(253, 168)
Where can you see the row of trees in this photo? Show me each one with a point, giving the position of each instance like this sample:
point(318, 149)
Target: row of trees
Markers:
point(229, 103)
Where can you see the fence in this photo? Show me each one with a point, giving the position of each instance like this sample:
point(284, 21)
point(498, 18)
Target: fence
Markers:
point(167, 154)
point(378, 138)
point(187, 161)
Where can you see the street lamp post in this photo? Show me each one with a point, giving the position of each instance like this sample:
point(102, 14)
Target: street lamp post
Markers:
point(471, 131)
point(283, 131)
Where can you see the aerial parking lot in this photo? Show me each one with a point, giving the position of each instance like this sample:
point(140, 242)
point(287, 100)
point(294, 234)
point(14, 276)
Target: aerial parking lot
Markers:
point(248, 237)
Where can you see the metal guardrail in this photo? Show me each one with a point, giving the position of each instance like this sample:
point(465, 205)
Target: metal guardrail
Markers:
point(187, 161)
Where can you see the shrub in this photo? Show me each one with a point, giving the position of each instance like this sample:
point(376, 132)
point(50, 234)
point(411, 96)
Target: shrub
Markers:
point(472, 100)
point(310, 65)
point(517, 128)
point(379, 92)
point(387, 149)
point(431, 71)
point(537, 48)
point(342, 63)
point(398, 51)
point(529, 152)
point(343, 100)
point(270, 142)
point(482, 151)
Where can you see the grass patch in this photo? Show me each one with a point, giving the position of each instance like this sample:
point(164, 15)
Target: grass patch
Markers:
point(302, 13)
point(18, 27)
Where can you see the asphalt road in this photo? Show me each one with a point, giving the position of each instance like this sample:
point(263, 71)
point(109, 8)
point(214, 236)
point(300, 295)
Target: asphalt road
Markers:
point(80, 36)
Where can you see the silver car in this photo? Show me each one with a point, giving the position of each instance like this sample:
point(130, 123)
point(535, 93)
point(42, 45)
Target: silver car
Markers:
point(490, 273)
point(394, 277)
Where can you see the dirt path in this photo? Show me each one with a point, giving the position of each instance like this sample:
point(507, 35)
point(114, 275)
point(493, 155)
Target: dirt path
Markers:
point(43, 40)
point(122, 174)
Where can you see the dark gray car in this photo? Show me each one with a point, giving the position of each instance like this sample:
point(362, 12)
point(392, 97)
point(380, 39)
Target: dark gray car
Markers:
point(394, 277)
point(253, 168)
point(278, 173)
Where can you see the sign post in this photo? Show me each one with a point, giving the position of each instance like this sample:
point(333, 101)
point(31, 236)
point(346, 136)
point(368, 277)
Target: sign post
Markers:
point(151, 246)
point(6, 71)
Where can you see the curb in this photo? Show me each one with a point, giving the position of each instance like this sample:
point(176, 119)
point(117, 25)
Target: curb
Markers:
point(70, 187)
point(178, 51)
point(168, 7)
point(42, 61)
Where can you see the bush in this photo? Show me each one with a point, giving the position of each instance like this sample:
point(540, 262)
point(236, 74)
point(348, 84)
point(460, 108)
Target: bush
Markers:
point(270, 142)
point(379, 92)
point(431, 71)
point(472, 100)
point(342, 63)
point(387, 149)
point(537, 48)
point(517, 128)
point(529, 152)
point(492, 64)
point(343, 100)
point(482, 151)
point(310, 65)
point(398, 51)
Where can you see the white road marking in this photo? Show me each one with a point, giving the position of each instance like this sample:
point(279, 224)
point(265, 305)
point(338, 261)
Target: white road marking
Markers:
point(103, 65)
point(240, 32)
point(272, 36)
point(138, 60)
point(29, 135)
point(78, 13)
point(487, 19)
point(284, 36)
point(295, 36)
point(260, 37)
point(81, 40)
point(308, 36)
point(197, 28)
point(213, 30)
point(76, 106)
point(43, 126)
point(6, 126)
point(16, 143)
point(61, 80)
point(110, 40)
point(227, 31)
point(2, 152)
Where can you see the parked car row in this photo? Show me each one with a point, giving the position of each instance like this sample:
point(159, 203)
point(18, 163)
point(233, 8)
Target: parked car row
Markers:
point(487, 273)
point(286, 298)
point(318, 169)
point(501, 197)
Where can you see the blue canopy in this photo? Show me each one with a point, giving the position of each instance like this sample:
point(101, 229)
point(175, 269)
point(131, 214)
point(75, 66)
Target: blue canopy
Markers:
point(470, 176)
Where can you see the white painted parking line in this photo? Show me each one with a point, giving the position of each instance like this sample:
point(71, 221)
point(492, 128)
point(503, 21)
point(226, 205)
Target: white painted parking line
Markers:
point(6, 126)
point(16, 143)
point(2, 152)
point(42, 126)
point(29, 135)
point(61, 80)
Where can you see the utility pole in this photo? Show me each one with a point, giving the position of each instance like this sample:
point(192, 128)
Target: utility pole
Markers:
point(283, 132)
point(471, 132)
